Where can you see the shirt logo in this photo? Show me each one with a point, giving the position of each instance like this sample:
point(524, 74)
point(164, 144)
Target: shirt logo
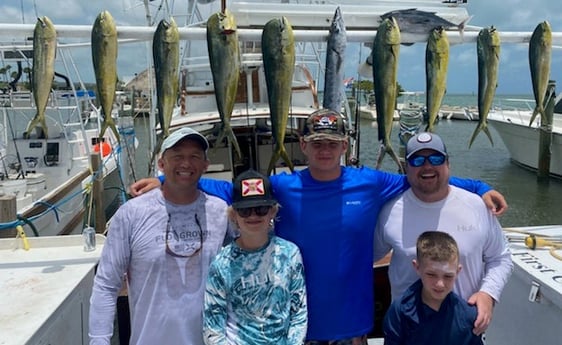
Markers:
point(253, 187)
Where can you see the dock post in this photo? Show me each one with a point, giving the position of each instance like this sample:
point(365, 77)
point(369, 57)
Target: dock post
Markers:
point(545, 134)
point(97, 192)
point(8, 213)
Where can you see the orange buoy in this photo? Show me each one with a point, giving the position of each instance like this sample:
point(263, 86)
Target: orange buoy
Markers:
point(105, 148)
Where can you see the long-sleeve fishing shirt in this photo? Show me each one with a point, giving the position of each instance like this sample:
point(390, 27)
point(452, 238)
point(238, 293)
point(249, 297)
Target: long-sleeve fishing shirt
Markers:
point(484, 252)
point(165, 292)
point(256, 297)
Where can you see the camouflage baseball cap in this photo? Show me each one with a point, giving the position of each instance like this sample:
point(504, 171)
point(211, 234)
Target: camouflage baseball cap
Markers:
point(324, 124)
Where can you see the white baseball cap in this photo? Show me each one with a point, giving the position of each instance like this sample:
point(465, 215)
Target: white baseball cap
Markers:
point(182, 133)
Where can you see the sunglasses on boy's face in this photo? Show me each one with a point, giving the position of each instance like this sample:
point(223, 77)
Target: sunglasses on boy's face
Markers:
point(434, 159)
point(258, 210)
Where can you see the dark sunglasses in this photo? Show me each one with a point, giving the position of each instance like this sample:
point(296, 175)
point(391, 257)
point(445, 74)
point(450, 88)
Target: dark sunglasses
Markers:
point(187, 249)
point(258, 210)
point(434, 159)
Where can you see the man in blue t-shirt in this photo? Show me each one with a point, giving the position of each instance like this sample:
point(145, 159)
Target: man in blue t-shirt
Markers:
point(330, 212)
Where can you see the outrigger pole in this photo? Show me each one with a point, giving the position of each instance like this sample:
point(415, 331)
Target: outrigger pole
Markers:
point(145, 33)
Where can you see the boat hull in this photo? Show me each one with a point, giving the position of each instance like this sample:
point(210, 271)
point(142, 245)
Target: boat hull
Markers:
point(522, 141)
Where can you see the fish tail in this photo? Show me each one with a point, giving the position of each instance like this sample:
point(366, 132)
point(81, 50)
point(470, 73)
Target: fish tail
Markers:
point(481, 127)
point(272, 161)
point(395, 158)
point(462, 26)
point(287, 159)
point(155, 154)
point(536, 111)
point(380, 155)
point(37, 120)
point(233, 141)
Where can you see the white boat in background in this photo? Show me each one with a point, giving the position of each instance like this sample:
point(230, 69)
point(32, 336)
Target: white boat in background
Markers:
point(530, 308)
point(522, 140)
point(51, 177)
point(457, 112)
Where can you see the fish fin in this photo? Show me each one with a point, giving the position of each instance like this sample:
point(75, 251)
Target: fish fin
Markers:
point(481, 127)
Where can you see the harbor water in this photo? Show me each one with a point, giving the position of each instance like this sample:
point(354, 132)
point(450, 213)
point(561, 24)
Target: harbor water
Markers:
point(530, 202)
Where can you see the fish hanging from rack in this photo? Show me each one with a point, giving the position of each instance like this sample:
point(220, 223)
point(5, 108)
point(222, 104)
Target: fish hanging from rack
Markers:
point(540, 55)
point(278, 53)
point(42, 73)
point(224, 58)
point(386, 49)
point(436, 63)
point(488, 51)
point(166, 58)
point(335, 52)
point(104, 57)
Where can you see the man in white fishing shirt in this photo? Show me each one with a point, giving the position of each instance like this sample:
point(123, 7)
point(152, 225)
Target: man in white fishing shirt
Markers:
point(431, 203)
point(164, 241)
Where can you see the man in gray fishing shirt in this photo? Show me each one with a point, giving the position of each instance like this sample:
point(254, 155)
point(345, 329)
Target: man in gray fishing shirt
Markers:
point(164, 241)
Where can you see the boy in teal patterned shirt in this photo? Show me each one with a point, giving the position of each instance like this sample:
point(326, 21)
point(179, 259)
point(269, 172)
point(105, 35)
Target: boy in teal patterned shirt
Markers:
point(255, 291)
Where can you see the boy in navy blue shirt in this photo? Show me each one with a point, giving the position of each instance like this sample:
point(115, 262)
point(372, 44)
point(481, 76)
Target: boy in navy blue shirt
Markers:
point(430, 312)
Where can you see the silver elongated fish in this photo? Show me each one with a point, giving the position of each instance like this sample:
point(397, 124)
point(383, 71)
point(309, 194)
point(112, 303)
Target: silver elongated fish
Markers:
point(415, 21)
point(436, 64)
point(540, 52)
point(335, 52)
point(488, 51)
point(166, 57)
point(224, 56)
point(278, 53)
point(43, 72)
point(104, 57)
point(386, 48)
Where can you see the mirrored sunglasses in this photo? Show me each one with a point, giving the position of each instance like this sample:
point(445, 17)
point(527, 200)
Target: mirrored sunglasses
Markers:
point(434, 159)
point(258, 210)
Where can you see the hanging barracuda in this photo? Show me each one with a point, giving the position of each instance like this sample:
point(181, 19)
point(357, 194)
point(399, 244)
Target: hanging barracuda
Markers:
point(104, 57)
point(488, 50)
point(436, 63)
point(166, 57)
point(540, 52)
point(224, 57)
point(278, 50)
point(386, 49)
point(43, 72)
point(335, 51)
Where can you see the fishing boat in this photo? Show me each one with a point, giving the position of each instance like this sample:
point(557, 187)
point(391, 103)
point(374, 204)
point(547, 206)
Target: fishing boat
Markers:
point(51, 176)
point(522, 140)
point(530, 309)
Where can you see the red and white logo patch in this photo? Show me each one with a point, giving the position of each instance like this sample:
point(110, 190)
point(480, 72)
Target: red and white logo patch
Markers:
point(252, 187)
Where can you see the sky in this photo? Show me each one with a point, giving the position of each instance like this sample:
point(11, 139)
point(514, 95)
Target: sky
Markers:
point(505, 15)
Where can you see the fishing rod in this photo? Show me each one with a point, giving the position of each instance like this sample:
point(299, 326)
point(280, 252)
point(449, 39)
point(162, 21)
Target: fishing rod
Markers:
point(18, 157)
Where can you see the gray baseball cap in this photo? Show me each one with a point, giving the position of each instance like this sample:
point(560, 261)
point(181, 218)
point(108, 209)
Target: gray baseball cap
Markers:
point(425, 141)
